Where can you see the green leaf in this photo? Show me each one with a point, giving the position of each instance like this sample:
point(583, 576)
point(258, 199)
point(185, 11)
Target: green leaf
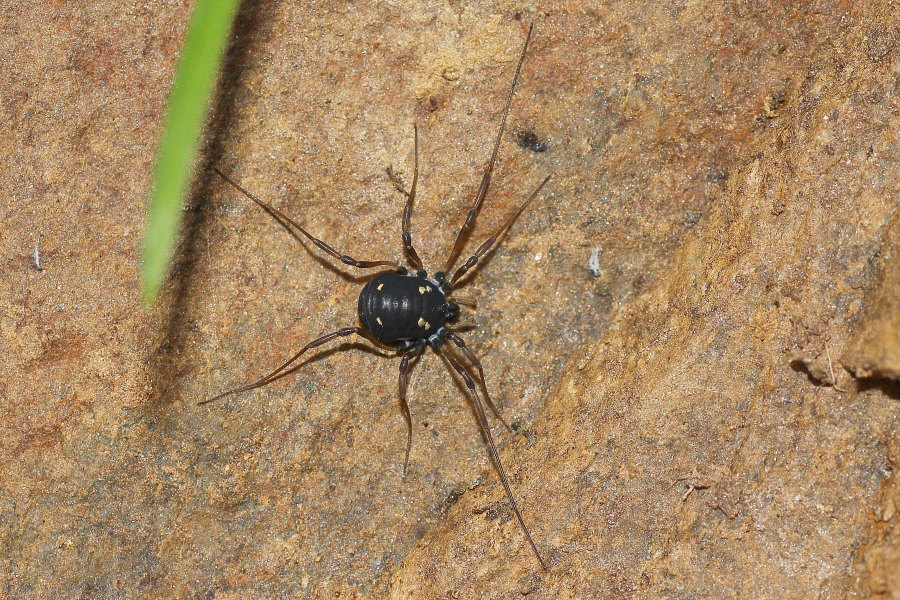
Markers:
point(195, 78)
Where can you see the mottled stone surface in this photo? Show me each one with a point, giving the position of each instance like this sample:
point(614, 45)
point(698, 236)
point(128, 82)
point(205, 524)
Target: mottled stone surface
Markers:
point(668, 326)
point(875, 350)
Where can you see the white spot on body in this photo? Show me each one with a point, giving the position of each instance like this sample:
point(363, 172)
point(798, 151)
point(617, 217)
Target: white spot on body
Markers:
point(379, 321)
point(380, 285)
point(421, 290)
point(424, 324)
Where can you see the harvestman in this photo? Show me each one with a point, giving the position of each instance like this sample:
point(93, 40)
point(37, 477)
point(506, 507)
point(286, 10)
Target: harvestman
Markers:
point(408, 311)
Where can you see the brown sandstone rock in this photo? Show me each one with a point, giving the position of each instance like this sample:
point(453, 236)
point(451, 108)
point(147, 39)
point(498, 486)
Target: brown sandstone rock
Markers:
point(724, 180)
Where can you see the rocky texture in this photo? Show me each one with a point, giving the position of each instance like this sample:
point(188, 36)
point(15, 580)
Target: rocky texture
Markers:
point(666, 326)
point(875, 350)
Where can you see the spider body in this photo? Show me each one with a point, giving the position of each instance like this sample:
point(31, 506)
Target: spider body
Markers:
point(408, 311)
point(405, 309)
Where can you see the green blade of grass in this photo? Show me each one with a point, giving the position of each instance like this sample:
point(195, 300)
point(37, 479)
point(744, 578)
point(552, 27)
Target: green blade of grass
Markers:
point(186, 114)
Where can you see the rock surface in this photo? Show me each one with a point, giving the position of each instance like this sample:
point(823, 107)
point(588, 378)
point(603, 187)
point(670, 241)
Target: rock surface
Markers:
point(875, 349)
point(667, 327)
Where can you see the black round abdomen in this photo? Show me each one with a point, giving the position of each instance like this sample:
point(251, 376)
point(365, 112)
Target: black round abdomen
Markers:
point(395, 307)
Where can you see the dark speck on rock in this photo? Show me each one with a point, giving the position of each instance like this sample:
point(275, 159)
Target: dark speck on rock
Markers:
point(691, 218)
point(530, 141)
point(717, 176)
point(453, 497)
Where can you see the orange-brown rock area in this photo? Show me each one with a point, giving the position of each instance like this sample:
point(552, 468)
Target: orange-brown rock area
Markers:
point(694, 329)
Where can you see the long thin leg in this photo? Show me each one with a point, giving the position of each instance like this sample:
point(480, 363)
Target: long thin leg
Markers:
point(486, 178)
point(283, 370)
point(404, 381)
point(286, 222)
point(470, 356)
point(492, 448)
point(486, 245)
point(407, 211)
